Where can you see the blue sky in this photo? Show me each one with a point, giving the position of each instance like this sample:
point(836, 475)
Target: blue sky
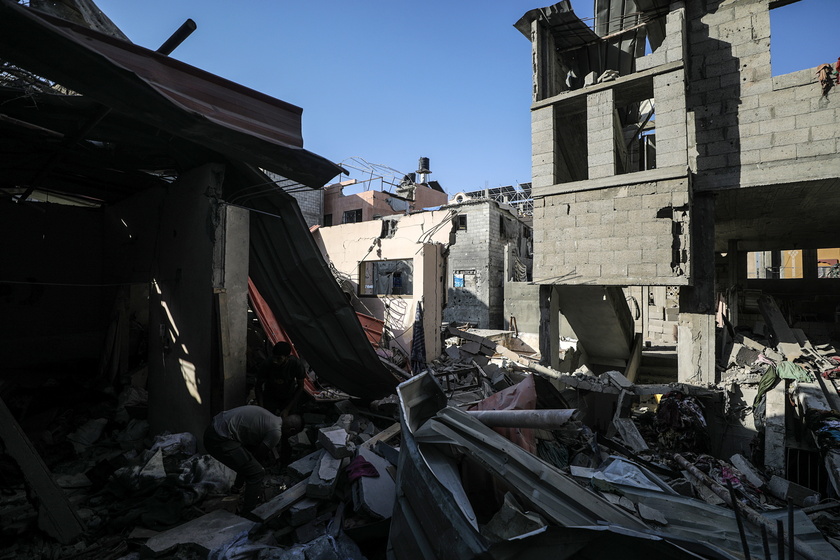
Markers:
point(391, 81)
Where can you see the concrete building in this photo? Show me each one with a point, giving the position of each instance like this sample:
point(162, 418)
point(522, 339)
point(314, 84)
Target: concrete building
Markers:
point(667, 169)
point(456, 260)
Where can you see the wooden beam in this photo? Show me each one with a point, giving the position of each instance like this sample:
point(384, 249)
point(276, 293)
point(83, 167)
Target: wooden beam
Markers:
point(56, 515)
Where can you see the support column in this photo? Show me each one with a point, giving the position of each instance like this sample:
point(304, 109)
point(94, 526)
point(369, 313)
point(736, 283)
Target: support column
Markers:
point(549, 328)
point(600, 133)
point(696, 343)
point(737, 265)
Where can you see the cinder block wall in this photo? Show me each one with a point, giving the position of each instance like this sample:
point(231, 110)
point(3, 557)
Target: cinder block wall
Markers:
point(632, 234)
point(311, 204)
point(751, 128)
point(471, 252)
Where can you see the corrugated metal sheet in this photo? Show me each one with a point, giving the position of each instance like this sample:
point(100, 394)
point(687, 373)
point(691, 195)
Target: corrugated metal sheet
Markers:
point(162, 92)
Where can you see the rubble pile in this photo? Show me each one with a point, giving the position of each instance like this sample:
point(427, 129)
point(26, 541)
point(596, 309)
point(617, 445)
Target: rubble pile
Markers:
point(137, 495)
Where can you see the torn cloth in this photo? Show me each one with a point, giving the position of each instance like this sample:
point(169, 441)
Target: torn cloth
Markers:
point(360, 467)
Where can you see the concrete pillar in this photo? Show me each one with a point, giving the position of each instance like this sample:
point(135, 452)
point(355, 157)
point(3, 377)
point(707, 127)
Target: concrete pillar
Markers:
point(184, 357)
point(775, 430)
point(809, 264)
point(737, 268)
point(696, 330)
point(231, 288)
point(600, 133)
point(548, 320)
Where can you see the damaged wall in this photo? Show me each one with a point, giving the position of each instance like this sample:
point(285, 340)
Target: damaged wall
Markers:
point(418, 238)
point(485, 237)
point(630, 234)
point(751, 128)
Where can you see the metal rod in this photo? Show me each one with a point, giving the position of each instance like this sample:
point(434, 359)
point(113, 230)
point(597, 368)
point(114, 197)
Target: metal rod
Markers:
point(780, 539)
point(177, 38)
point(541, 419)
point(738, 521)
point(749, 514)
point(766, 542)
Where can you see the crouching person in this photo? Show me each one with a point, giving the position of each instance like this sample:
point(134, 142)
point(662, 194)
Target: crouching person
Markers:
point(246, 439)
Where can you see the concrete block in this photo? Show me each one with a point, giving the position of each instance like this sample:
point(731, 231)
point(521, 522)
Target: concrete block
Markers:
point(323, 480)
point(305, 465)
point(303, 512)
point(336, 441)
point(816, 148)
point(780, 124)
point(786, 490)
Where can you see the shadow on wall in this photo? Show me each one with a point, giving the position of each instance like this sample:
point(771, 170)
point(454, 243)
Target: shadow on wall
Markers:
point(464, 306)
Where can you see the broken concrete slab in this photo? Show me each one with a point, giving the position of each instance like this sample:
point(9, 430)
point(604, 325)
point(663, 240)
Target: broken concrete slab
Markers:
point(374, 495)
point(303, 512)
point(206, 533)
point(747, 469)
point(790, 491)
point(305, 465)
point(336, 441)
point(323, 480)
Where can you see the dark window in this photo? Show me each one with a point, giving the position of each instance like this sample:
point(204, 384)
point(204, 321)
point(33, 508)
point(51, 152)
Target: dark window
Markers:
point(462, 222)
point(352, 216)
point(327, 219)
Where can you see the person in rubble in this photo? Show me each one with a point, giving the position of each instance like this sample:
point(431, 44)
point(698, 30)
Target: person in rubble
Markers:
point(279, 384)
point(247, 439)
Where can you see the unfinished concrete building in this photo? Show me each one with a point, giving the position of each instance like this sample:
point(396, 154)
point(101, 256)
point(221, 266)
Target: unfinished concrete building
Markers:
point(668, 169)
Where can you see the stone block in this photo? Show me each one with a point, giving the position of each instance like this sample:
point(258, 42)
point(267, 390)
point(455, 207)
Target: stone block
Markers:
point(790, 491)
point(303, 512)
point(305, 465)
point(324, 479)
point(816, 148)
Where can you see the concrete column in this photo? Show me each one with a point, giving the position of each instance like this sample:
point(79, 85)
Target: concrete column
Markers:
point(671, 135)
point(231, 263)
point(600, 133)
point(737, 268)
point(543, 147)
point(184, 381)
point(809, 264)
point(548, 344)
point(696, 330)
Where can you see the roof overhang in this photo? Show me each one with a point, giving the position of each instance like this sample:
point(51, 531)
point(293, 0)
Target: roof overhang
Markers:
point(164, 93)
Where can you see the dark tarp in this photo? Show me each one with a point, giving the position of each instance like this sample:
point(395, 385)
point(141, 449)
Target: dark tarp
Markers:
point(164, 93)
point(288, 269)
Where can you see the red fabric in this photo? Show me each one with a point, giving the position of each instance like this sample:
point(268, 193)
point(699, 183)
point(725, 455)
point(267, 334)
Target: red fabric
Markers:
point(360, 467)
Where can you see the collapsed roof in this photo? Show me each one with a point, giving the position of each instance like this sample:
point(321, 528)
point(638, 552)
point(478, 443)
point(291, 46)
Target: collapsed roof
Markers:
point(143, 117)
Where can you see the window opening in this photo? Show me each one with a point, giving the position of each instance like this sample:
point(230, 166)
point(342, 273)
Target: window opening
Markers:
point(462, 222)
point(327, 220)
point(828, 263)
point(794, 43)
point(352, 216)
point(386, 278)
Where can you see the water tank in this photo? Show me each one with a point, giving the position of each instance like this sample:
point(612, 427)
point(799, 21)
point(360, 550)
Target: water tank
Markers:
point(423, 165)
